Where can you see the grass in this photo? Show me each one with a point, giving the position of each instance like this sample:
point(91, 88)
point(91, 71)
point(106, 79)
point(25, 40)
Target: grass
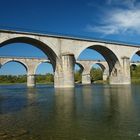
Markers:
point(101, 82)
point(10, 83)
point(7, 83)
point(135, 80)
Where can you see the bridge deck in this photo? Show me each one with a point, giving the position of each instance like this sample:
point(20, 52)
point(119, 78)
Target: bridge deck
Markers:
point(72, 37)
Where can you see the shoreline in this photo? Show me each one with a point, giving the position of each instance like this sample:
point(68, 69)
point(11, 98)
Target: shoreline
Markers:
point(23, 83)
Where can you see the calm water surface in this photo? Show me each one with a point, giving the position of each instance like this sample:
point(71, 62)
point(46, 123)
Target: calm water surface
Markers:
point(96, 112)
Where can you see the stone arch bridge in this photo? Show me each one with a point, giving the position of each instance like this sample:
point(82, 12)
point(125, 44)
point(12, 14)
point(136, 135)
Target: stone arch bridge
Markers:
point(62, 51)
point(31, 65)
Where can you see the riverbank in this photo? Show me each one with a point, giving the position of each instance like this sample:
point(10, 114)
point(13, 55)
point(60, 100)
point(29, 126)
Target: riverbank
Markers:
point(133, 81)
point(49, 83)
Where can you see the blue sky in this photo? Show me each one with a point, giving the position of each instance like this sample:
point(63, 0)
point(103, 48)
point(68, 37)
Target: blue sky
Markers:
point(117, 20)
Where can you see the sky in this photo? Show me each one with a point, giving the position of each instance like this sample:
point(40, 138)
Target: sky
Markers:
point(117, 20)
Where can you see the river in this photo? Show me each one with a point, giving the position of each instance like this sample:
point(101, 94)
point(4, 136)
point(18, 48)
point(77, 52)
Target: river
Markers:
point(92, 112)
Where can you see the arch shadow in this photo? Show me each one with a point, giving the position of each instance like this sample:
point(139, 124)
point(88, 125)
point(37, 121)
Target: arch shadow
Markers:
point(36, 43)
point(20, 62)
point(108, 55)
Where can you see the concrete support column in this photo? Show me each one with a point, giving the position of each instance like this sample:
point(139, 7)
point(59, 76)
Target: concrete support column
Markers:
point(31, 80)
point(86, 78)
point(121, 75)
point(64, 73)
point(68, 62)
point(105, 74)
point(58, 74)
point(126, 70)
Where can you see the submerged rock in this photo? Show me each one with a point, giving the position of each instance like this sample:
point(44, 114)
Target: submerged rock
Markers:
point(20, 133)
point(3, 133)
point(5, 136)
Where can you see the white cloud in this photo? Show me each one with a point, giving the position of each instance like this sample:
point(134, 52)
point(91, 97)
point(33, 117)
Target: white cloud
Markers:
point(127, 3)
point(119, 21)
point(110, 29)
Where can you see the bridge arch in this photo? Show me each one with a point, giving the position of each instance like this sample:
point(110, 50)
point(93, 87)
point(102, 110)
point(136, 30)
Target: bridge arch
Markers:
point(45, 47)
point(81, 66)
point(78, 70)
point(46, 61)
point(18, 61)
point(133, 66)
point(94, 67)
point(104, 68)
point(99, 64)
point(108, 54)
point(137, 51)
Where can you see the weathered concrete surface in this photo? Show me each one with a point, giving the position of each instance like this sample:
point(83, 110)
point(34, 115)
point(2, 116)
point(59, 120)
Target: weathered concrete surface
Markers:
point(121, 75)
point(55, 46)
point(105, 74)
point(86, 78)
point(64, 72)
point(68, 62)
point(31, 81)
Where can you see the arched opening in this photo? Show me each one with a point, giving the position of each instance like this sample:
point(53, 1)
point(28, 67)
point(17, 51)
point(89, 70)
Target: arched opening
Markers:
point(44, 73)
point(98, 52)
point(135, 68)
point(90, 54)
point(26, 47)
point(17, 73)
point(96, 73)
point(36, 43)
point(78, 69)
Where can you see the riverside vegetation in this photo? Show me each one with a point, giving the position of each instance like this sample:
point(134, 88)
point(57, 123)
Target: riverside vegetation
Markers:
point(48, 78)
point(96, 76)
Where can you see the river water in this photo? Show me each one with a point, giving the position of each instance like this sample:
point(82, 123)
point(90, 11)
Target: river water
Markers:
point(95, 112)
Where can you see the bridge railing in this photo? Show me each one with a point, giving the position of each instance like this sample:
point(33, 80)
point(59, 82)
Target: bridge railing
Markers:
point(65, 35)
point(45, 58)
point(24, 57)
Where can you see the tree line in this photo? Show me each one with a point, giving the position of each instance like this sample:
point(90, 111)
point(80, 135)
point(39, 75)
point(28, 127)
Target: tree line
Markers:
point(135, 73)
point(96, 74)
point(47, 78)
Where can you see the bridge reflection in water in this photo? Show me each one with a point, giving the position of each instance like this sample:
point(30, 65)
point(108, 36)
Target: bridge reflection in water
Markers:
point(84, 112)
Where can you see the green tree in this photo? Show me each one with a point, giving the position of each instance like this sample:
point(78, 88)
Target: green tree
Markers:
point(78, 76)
point(135, 73)
point(96, 74)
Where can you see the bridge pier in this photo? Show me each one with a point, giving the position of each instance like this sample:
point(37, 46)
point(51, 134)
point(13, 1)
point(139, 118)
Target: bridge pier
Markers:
point(64, 73)
point(121, 75)
point(105, 74)
point(86, 78)
point(31, 80)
